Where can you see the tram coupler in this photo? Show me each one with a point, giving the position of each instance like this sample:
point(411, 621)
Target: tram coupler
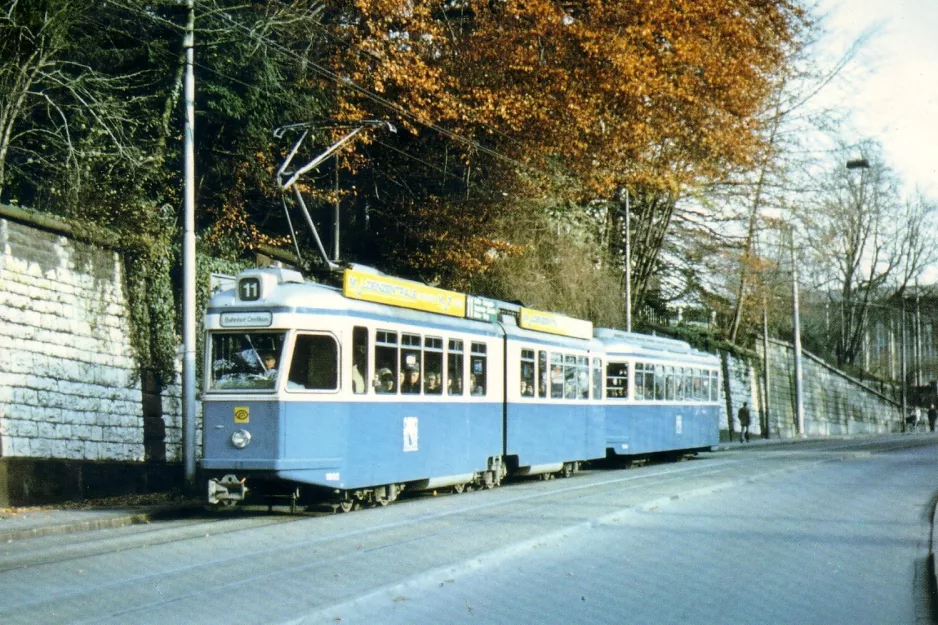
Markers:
point(229, 490)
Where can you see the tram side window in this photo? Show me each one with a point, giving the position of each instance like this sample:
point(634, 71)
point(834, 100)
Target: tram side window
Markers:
point(639, 381)
point(698, 384)
point(454, 371)
point(705, 385)
point(542, 374)
point(714, 386)
point(668, 382)
point(654, 382)
point(385, 362)
point(359, 359)
point(617, 379)
point(569, 377)
point(477, 367)
point(410, 364)
point(527, 373)
point(315, 364)
point(556, 376)
point(432, 365)
point(688, 383)
point(582, 377)
point(597, 378)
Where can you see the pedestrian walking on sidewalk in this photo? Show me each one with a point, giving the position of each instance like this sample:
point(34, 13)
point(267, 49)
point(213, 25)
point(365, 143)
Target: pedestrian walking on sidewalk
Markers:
point(744, 419)
point(932, 417)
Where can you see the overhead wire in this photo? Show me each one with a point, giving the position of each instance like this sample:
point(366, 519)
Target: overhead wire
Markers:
point(359, 52)
point(338, 80)
point(348, 83)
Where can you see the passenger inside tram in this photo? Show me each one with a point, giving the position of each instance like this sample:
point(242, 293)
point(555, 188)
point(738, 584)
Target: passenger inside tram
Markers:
point(385, 381)
point(432, 383)
point(411, 380)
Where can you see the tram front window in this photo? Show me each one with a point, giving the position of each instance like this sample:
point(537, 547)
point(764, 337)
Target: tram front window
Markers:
point(245, 361)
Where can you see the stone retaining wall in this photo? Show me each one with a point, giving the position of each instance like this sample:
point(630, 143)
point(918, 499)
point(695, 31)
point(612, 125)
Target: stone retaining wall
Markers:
point(834, 403)
point(70, 386)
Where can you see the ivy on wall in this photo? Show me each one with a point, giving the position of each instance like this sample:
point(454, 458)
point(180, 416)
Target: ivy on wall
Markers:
point(205, 267)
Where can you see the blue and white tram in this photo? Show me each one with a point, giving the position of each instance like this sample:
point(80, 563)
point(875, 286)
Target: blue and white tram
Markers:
point(388, 384)
point(363, 399)
point(661, 395)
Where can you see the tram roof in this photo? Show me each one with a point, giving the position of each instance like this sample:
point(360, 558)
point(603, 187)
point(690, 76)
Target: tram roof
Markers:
point(371, 293)
point(633, 343)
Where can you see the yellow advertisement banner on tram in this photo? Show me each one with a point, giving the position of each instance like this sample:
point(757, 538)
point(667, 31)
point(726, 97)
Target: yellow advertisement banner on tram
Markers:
point(404, 293)
point(555, 324)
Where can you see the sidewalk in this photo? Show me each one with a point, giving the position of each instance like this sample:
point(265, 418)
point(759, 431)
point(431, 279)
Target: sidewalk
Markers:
point(33, 522)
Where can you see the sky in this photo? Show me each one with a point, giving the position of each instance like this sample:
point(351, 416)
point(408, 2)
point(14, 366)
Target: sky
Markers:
point(891, 88)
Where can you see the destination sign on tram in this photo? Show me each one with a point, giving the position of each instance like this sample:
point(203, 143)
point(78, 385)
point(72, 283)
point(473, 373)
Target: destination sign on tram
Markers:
point(481, 308)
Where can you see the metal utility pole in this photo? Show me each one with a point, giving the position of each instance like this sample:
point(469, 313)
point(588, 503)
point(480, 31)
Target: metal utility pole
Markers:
point(628, 266)
point(917, 374)
point(799, 391)
point(902, 360)
point(765, 365)
point(188, 260)
point(336, 215)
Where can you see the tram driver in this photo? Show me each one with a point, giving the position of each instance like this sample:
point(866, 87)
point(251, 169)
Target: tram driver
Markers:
point(269, 359)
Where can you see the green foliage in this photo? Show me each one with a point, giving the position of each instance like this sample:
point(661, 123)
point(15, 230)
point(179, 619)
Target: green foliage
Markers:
point(560, 267)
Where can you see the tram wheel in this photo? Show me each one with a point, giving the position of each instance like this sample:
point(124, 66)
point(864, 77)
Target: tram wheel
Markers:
point(459, 489)
point(347, 505)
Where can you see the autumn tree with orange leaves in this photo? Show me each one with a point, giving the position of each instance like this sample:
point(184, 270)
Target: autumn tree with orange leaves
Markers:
point(571, 100)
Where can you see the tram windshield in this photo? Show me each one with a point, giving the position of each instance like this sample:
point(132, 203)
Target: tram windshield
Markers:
point(246, 361)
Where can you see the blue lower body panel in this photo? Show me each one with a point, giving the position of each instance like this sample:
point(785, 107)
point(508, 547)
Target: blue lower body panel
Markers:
point(347, 445)
point(550, 433)
point(644, 429)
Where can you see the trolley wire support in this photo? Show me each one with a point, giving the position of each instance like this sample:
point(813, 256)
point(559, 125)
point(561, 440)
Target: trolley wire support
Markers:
point(287, 179)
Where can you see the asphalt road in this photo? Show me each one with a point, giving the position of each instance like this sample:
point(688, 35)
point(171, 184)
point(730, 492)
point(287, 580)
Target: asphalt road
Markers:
point(817, 532)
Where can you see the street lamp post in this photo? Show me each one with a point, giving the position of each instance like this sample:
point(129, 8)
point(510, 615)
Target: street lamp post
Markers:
point(862, 164)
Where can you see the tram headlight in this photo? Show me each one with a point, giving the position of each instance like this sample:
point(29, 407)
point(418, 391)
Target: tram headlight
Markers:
point(241, 438)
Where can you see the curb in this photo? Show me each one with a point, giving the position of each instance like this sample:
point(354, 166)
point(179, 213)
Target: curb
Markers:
point(131, 518)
